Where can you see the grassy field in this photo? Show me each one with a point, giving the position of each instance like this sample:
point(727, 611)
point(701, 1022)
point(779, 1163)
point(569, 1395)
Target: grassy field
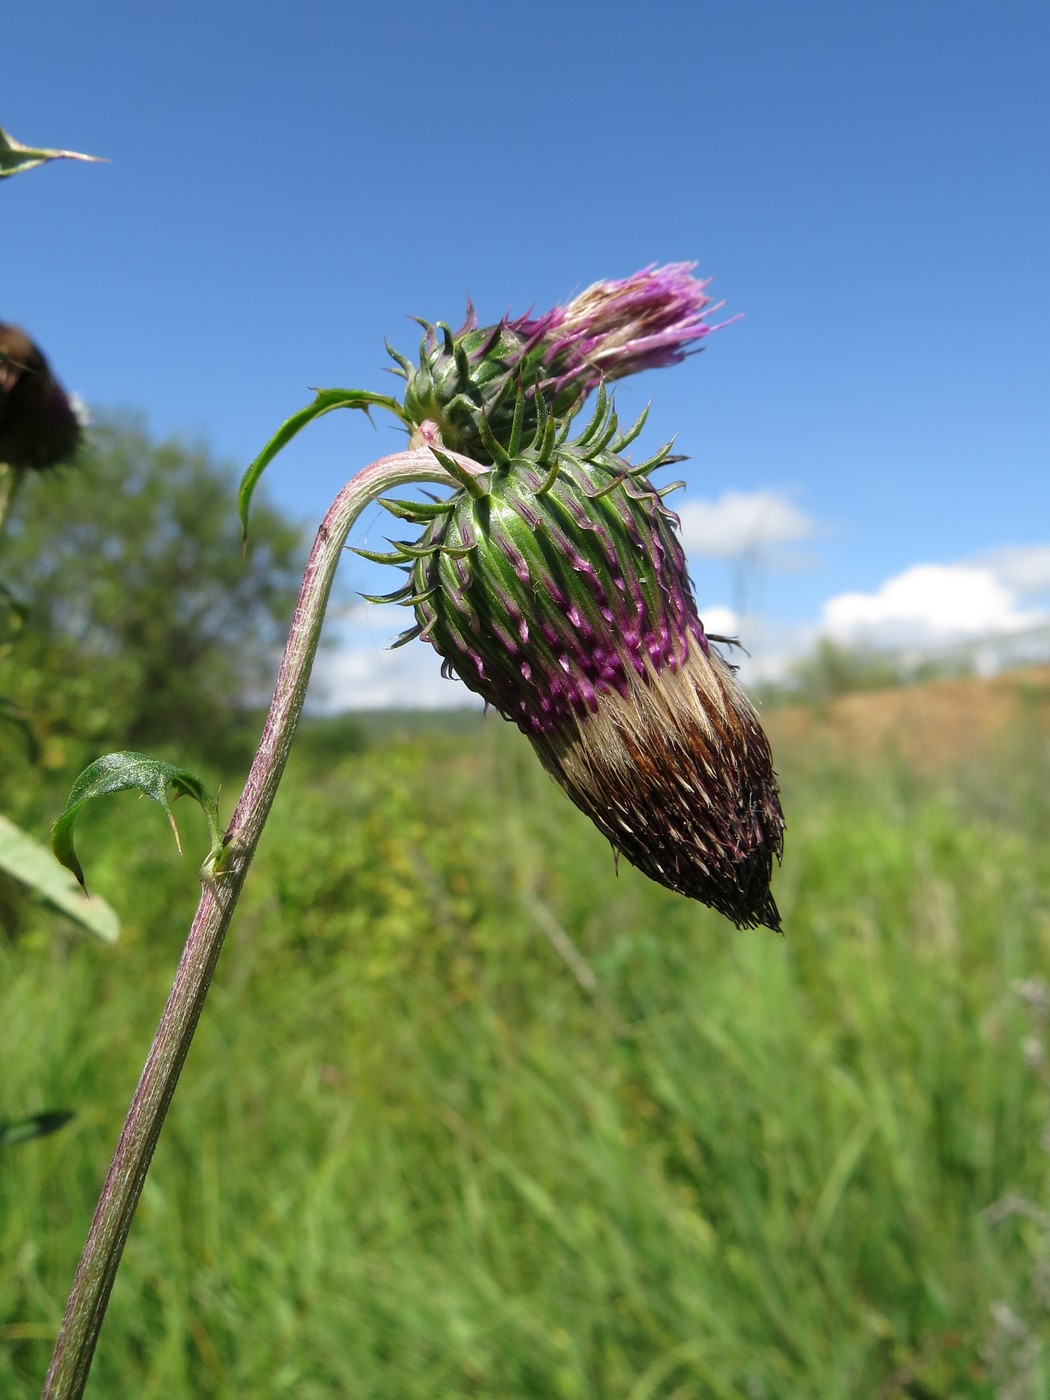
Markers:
point(468, 1115)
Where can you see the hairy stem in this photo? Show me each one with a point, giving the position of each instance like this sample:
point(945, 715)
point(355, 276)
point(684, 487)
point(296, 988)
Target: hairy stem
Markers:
point(99, 1261)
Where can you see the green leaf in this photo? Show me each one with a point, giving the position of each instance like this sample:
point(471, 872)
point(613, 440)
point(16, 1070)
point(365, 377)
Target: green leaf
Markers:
point(14, 157)
point(325, 401)
point(119, 772)
point(30, 862)
point(14, 1130)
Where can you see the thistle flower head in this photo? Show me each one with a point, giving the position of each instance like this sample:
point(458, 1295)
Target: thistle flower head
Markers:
point(554, 585)
point(611, 330)
point(38, 425)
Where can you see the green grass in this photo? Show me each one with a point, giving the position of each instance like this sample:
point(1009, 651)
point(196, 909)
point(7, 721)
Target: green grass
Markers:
point(415, 1155)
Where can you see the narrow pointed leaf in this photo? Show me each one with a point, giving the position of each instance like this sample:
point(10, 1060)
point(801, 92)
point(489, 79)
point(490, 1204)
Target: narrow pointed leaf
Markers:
point(30, 862)
point(325, 401)
point(122, 772)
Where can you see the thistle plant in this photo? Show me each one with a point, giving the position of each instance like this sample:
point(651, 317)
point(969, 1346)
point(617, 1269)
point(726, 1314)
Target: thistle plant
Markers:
point(554, 585)
point(551, 581)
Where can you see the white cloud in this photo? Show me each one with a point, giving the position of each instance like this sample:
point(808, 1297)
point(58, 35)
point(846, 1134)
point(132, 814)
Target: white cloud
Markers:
point(768, 650)
point(742, 523)
point(1023, 568)
point(720, 621)
point(930, 604)
point(1003, 593)
point(363, 673)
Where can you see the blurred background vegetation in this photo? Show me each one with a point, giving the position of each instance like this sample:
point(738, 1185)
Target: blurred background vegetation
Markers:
point(140, 623)
point(468, 1114)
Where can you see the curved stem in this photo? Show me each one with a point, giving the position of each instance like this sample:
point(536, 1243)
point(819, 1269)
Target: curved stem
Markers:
point(97, 1269)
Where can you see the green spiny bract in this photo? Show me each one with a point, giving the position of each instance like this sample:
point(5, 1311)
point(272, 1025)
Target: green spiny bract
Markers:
point(554, 585)
point(469, 382)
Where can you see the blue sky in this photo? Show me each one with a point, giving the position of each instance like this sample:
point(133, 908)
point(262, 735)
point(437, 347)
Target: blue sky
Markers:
point(868, 183)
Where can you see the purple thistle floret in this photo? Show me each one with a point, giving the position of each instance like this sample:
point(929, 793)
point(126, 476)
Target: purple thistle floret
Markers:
point(617, 328)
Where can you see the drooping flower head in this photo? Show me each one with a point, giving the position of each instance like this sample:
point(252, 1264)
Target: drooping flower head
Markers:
point(613, 329)
point(553, 583)
point(38, 424)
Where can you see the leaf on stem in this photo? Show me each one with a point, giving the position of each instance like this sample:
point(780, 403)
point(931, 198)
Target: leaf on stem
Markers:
point(119, 772)
point(14, 157)
point(324, 402)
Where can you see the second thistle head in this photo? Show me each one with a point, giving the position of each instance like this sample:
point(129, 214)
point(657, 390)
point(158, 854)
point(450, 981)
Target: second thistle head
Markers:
point(468, 382)
point(38, 424)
